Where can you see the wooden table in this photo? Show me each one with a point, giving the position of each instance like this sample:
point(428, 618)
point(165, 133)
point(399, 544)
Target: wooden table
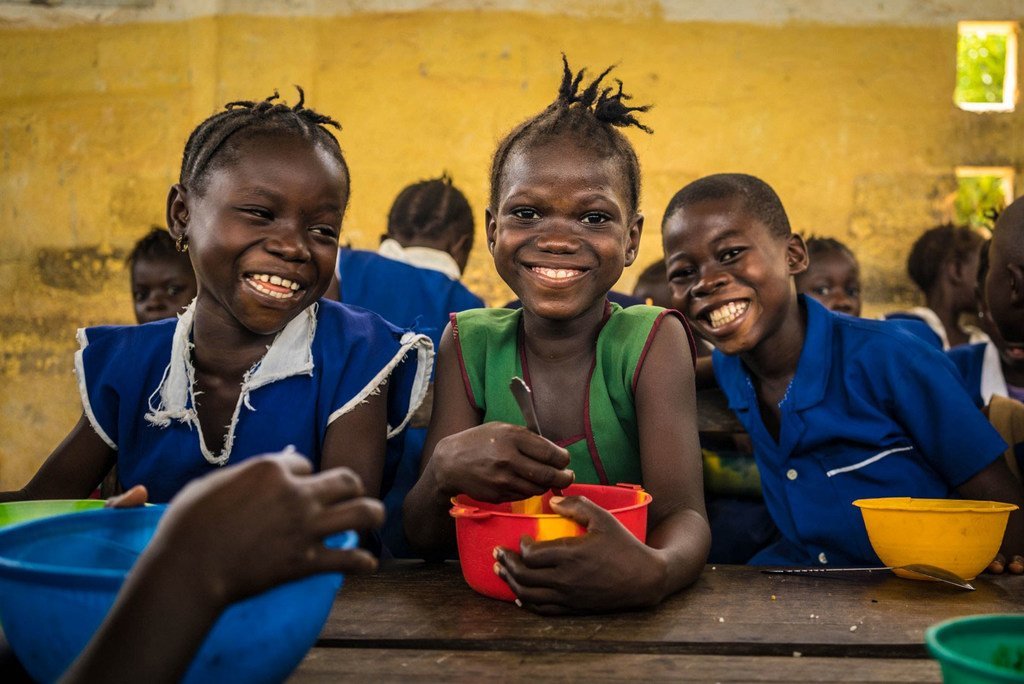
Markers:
point(416, 620)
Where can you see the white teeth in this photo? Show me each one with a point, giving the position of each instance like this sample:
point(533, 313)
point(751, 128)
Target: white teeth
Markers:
point(727, 313)
point(258, 279)
point(557, 273)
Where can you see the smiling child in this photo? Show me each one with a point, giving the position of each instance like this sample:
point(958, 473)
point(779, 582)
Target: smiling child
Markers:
point(613, 387)
point(257, 362)
point(838, 408)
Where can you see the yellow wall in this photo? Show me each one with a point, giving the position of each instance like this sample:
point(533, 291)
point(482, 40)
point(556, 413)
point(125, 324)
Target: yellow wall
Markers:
point(853, 125)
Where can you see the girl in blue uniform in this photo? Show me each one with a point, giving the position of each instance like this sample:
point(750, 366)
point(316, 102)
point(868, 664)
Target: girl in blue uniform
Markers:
point(838, 408)
point(613, 387)
point(257, 362)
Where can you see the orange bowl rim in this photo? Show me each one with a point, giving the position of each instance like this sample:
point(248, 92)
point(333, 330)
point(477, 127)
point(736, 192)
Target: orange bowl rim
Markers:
point(906, 504)
point(646, 500)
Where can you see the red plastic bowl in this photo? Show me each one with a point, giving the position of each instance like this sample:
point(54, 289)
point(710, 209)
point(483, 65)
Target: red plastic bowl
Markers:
point(479, 527)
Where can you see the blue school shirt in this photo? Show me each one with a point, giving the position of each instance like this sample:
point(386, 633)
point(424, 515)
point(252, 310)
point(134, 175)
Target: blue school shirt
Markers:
point(872, 411)
point(981, 370)
point(136, 387)
point(412, 298)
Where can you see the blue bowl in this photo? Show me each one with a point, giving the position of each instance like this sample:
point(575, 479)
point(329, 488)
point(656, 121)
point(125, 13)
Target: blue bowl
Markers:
point(59, 577)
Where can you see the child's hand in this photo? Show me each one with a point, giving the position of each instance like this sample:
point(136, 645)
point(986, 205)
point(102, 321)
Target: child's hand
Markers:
point(605, 569)
point(498, 462)
point(249, 527)
point(133, 498)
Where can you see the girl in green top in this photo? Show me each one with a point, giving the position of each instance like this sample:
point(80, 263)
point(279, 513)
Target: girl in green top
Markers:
point(613, 388)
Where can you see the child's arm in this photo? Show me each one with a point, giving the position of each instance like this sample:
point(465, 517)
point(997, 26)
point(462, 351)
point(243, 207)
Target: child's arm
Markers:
point(491, 462)
point(73, 470)
point(216, 544)
point(357, 440)
point(608, 568)
point(997, 483)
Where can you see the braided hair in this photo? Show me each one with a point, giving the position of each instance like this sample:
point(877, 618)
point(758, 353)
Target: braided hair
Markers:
point(430, 209)
point(591, 116)
point(826, 245)
point(216, 141)
point(157, 245)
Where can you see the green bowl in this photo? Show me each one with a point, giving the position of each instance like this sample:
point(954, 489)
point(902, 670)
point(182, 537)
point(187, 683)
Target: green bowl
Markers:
point(23, 511)
point(979, 649)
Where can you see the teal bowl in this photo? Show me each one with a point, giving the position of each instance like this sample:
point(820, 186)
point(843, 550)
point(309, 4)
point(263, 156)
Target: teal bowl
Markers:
point(979, 649)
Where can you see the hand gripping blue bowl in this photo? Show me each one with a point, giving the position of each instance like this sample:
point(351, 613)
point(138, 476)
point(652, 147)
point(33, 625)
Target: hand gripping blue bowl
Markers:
point(60, 575)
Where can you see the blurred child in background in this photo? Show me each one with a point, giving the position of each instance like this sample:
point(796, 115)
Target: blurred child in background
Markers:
point(652, 286)
point(162, 279)
point(413, 282)
point(832, 276)
point(943, 263)
point(163, 285)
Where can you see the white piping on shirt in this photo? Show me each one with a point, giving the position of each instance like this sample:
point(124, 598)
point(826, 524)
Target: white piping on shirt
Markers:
point(83, 342)
point(867, 461)
point(424, 362)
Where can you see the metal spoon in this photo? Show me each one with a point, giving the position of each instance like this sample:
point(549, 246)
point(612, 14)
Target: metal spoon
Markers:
point(524, 397)
point(930, 571)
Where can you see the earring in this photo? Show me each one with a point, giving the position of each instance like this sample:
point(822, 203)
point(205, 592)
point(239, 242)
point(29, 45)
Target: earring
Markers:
point(181, 243)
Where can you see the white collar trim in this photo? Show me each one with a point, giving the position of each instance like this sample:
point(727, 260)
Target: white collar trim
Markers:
point(291, 353)
point(975, 335)
point(992, 380)
point(421, 257)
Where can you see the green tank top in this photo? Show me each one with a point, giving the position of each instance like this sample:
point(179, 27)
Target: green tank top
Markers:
point(488, 342)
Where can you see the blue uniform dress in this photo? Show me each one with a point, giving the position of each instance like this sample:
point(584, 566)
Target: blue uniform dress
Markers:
point(412, 298)
point(872, 411)
point(137, 387)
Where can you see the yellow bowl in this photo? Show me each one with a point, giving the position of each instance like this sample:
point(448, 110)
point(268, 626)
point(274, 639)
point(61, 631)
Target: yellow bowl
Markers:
point(955, 534)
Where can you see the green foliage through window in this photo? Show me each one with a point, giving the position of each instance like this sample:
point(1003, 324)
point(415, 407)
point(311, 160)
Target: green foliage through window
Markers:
point(980, 67)
point(978, 199)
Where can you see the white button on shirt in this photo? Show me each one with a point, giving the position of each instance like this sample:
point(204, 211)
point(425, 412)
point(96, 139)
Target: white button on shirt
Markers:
point(791, 474)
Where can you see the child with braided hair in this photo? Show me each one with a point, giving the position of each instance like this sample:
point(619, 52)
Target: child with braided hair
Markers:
point(412, 281)
point(258, 361)
point(613, 387)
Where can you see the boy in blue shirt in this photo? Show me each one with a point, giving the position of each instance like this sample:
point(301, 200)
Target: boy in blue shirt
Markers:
point(838, 408)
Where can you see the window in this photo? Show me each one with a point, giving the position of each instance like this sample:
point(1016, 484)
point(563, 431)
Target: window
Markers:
point(982, 192)
point(986, 66)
